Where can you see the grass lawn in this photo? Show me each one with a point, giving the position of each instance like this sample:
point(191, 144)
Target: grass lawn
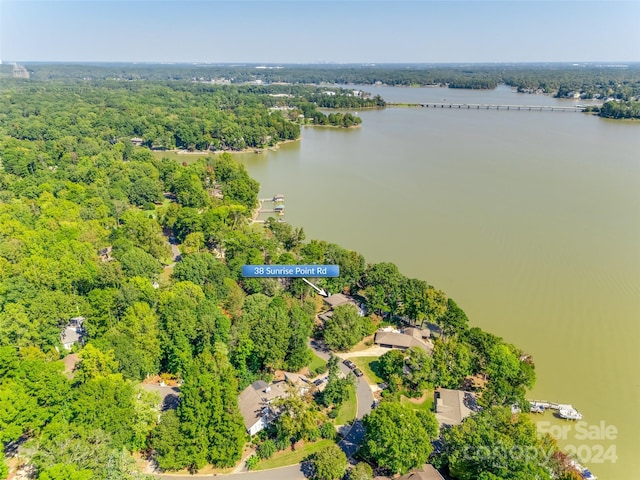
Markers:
point(370, 368)
point(288, 457)
point(316, 362)
point(426, 405)
point(348, 409)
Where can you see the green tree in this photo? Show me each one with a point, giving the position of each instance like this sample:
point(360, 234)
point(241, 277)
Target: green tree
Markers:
point(137, 262)
point(454, 321)
point(391, 363)
point(362, 471)
point(266, 449)
point(395, 438)
point(344, 328)
point(509, 377)
point(298, 353)
point(95, 364)
point(109, 403)
point(271, 336)
point(65, 472)
point(451, 363)
point(330, 463)
point(382, 284)
point(298, 419)
point(166, 440)
point(418, 370)
point(492, 442)
point(210, 428)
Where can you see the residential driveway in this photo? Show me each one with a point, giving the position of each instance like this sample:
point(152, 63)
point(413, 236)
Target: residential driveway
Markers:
point(364, 396)
point(292, 472)
point(374, 351)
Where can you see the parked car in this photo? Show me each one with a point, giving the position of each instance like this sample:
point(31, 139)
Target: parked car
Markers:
point(358, 372)
point(349, 364)
point(320, 381)
point(383, 386)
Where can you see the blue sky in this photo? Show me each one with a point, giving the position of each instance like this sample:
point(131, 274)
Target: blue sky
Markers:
point(305, 31)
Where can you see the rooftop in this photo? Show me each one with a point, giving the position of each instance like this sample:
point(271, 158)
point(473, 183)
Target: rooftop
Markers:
point(338, 299)
point(427, 472)
point(169, 396)
point(453, 406)
point(402, 340)
point(256, 397)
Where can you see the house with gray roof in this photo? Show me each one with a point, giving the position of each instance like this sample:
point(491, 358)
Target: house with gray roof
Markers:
point(410, 337)
point(337, 300)
point(426, 472)
point(255, 404)
point(453, 406)
point(72, 333)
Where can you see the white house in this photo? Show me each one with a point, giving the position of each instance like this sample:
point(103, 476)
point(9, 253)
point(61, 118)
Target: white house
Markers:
point(72, 333)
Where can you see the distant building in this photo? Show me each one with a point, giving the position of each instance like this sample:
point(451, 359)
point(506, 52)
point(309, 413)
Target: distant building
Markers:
point(105, 254)
point(20, 72)
point(137, 141)
point(453, 406)
point(72, 333)
point(411, 337)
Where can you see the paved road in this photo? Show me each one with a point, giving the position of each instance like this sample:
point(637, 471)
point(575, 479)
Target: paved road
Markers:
point(364, 396)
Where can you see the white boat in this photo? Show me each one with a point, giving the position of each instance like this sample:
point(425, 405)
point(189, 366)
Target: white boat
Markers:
point(569, 413)
point(582, 471)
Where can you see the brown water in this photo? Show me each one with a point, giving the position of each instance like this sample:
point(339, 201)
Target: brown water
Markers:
point(529, 220)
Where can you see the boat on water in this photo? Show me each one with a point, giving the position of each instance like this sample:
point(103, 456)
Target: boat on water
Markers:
point(537, 408)
point(582, 471)
point(569, 413)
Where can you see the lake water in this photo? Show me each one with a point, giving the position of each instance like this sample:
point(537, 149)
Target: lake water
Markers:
point(529, 220)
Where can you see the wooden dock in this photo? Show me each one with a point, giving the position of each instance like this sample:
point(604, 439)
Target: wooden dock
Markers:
point(544, 404)
point(278, 207)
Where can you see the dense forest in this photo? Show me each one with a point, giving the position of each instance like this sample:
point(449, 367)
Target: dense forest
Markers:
point(621, 82)
point(87, 226)
point(175, 115)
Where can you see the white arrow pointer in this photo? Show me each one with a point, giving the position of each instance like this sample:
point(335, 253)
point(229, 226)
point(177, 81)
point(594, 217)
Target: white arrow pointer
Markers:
point(319, 290)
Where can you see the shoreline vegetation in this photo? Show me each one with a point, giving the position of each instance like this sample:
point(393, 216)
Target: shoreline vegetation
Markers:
point(87, 221)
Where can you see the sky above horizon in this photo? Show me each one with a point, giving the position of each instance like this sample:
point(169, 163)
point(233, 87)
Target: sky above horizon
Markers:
point(307, 31)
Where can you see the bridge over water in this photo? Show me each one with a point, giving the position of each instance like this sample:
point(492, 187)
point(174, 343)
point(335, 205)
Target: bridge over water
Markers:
point(485, 106)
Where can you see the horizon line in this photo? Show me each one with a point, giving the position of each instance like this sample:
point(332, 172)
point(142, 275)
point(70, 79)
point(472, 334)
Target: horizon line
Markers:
point(319, 63)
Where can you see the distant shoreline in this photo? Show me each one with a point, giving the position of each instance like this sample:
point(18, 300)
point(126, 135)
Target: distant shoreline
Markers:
point(179, 152)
